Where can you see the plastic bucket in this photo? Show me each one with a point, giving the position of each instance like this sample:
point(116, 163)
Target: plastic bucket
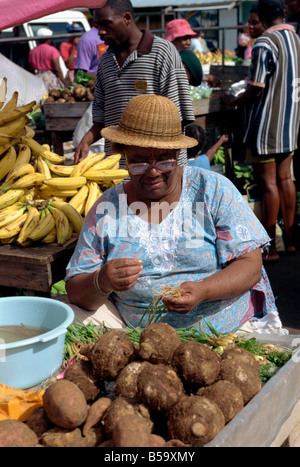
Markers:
point(27, 363)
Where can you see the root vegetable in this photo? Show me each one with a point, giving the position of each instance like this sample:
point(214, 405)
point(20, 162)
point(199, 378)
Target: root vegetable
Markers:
point(83, 375)
point(156, 441)
point(95, 414)
point(195, 420)
point(91, 84)
point(39, 422)
point(226, 395)
point(126, 383)
point(159, 387)
point(197, 364)
point(244, 355)
point(16, 434)
point(158, 342)
point(241, 375)
point(131, 431)
point(65, 94)
point(79, 92)
point(62, 438)
point(122, 406)
point(89, 95)
point(54, 93)
point(110, 354)
point(65, 404)
point(175, 443)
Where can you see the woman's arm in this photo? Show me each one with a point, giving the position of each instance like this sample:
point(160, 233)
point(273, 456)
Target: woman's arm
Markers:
point(238, 277)
point(91, 290)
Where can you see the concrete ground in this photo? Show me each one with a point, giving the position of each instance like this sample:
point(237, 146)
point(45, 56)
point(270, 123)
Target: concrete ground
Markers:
point(284, 277)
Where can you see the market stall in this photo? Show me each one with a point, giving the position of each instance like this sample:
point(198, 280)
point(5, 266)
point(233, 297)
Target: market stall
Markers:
point(25, 262)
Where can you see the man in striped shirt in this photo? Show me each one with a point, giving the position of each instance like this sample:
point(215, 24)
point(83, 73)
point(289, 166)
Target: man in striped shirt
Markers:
point(273, 120)
point(136, 62)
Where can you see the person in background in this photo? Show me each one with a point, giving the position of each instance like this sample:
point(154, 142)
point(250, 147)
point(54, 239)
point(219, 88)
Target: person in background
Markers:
point(90, 49)
point(68, 50)
point(199, 44)
point(244, 41)
point(44, 61)
point(273, 123)
point(293, 12)
point(136, 62)
point(255, 29)
point(293, 15)
point(192, 67)
point(196, 157)
point(179, 32)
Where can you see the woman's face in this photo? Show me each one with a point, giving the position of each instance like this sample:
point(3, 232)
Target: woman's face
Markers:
point(255, 27)
point(182, 43)
point(156, 182)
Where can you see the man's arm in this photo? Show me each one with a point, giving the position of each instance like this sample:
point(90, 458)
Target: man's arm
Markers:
point(93, 135)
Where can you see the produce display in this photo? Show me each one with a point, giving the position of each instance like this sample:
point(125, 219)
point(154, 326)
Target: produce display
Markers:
point(216, 57)
point(151, 387)
point(75, 93)
point(41, 198)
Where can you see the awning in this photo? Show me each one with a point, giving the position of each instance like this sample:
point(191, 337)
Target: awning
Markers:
point(202, 4)
point(18, 12)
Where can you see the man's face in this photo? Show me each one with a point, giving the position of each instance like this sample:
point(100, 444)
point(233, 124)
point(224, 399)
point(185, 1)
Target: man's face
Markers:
point(112, 26)
point(293, 10)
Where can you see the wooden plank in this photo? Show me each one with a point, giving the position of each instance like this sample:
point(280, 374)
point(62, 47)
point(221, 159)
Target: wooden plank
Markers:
point(61, 124)
point(25, 276)
point(65, 109)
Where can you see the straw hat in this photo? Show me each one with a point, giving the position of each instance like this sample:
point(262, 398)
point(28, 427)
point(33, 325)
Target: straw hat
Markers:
point(150, 121)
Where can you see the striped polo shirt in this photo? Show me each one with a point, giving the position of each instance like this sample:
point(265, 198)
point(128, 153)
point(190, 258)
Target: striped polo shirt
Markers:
point(273, 121)
point(155, 67)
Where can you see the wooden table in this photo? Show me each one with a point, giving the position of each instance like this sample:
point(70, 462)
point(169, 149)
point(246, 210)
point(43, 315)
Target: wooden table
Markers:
point(34, 268)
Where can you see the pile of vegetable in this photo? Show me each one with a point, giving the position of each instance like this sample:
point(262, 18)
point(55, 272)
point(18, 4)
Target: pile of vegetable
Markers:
point(203, 91)
point(74, 93)
point(151, 387)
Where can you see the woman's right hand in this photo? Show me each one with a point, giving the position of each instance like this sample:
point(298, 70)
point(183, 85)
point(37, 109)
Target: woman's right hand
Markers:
point(120, 274)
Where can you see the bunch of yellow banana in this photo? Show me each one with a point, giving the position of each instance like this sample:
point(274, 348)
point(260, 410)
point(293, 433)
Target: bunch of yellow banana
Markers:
point(30, 172)
point(46, 221)
point(13, 119)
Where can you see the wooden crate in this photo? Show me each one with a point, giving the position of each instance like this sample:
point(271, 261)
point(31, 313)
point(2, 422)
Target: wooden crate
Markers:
point(34, 268)
point(209, 106)
point(63, 116)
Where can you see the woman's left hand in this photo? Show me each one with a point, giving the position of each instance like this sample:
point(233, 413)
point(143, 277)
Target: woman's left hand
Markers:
point(190, 297)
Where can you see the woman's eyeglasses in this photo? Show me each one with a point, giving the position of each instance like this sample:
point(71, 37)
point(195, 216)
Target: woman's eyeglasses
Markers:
point(139, 168)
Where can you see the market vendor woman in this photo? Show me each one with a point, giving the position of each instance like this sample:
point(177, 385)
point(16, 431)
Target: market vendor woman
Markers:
point(168, 226)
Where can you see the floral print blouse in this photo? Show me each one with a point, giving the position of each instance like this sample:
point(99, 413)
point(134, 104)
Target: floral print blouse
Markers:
point(210, 226)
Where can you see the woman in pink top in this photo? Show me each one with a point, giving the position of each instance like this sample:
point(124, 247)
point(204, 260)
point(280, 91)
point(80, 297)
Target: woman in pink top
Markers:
point(44, 61)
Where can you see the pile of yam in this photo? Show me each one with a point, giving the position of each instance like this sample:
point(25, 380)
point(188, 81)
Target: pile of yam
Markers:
point(166, 393)
point(77, 93)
